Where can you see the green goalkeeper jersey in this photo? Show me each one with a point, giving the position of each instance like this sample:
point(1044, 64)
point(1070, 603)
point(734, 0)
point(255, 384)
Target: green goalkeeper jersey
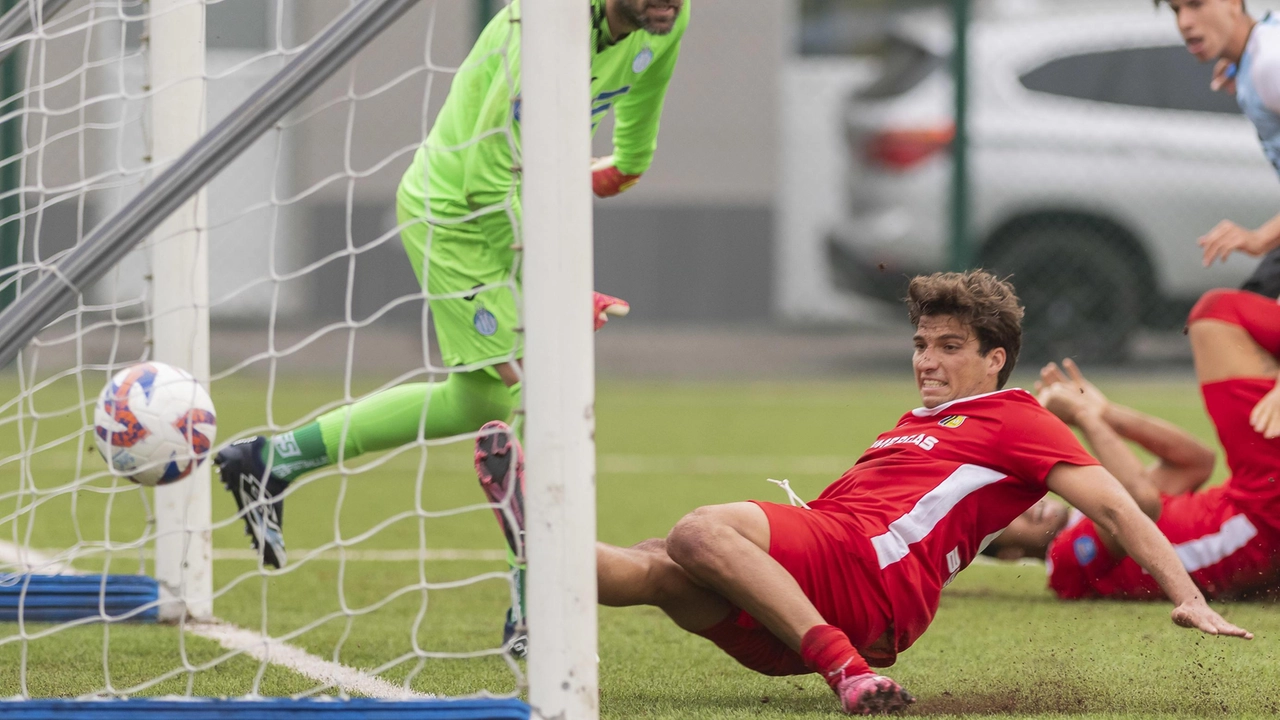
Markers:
point(466, 163)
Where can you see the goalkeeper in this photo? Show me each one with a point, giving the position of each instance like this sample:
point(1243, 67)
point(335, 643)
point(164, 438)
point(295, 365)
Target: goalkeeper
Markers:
point(459, 204)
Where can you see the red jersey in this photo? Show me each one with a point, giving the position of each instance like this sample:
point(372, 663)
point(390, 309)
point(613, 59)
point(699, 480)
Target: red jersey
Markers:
point(1254, 461)
point(1228, 537)
point(930, 493)
point(1227, 555)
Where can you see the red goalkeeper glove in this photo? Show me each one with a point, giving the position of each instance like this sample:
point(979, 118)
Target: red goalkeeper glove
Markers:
point(607, 306)
point(607, 180)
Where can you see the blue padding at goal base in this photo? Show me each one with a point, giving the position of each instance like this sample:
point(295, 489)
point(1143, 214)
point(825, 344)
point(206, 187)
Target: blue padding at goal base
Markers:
point(268, 709)
point(61, 598)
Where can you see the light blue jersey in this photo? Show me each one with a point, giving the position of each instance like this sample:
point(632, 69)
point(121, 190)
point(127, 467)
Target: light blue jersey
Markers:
point(1258, 85)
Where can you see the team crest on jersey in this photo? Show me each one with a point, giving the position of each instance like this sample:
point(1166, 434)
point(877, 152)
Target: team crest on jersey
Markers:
point(642, 61)
point(1086, 549)
point(486, 324)
point(952, 421)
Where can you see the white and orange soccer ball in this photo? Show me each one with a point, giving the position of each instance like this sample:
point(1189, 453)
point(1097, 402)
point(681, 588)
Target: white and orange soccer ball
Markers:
point(154, 423)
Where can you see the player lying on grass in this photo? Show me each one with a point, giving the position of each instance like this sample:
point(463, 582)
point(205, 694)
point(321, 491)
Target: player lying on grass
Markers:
point(1247, 55)
point(461, 242)
point(1228, 537)
point(854, 577)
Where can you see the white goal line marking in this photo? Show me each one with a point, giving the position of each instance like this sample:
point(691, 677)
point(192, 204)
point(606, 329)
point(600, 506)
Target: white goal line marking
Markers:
point(15, 558)
point(253, 644)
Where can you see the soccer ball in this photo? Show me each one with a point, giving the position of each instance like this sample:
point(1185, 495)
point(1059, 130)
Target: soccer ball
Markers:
point(154, 423)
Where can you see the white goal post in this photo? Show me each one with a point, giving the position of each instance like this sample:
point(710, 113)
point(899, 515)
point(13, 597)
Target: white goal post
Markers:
point(171, 214)
point(180, 301)
point(559, 361)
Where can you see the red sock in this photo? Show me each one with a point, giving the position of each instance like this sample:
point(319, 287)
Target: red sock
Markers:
point(827, 650)
point(1258, 315)
point(755, 647)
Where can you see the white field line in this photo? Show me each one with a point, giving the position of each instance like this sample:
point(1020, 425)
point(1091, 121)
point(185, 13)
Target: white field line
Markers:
point(430, 555)
point(724, 464)
point(255, 645)
point(327, 672)
point(637, 464)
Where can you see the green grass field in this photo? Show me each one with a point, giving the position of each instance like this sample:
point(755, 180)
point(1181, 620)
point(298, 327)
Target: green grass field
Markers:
point(1001, 646)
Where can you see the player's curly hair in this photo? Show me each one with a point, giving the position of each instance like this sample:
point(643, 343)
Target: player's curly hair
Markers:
point(978, 299)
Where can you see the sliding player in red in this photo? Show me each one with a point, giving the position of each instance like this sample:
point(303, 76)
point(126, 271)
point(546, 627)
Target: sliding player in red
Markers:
point(1228, 537)
point(854, 577)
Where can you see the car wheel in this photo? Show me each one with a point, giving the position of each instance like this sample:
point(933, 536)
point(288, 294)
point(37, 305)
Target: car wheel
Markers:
point(1082, 293)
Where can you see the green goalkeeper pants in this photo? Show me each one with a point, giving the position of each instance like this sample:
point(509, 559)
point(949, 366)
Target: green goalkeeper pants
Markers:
point(472, 288)
point(472, 292)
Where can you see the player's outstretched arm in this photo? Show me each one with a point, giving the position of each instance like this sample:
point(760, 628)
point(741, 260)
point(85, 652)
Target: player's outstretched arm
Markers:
point(637, 115)
point(1125, 529)
point(1085, 409)
point(1183, 463)
point(1227, 237)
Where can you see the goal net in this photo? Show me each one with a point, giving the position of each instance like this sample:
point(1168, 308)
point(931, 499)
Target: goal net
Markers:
point(282, 285)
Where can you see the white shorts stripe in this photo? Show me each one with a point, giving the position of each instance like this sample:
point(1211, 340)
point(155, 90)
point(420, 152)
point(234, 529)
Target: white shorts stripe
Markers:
point(929, 510)
point(1212, 549)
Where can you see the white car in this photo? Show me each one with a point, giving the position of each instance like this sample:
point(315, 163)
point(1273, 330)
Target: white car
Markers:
point(1098, 155)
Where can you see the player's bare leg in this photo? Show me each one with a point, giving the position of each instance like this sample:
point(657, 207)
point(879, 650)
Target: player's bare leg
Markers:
point(645, 575)
point(509, 372)
point(726, 548)
point(1230, 331)
point(1223, 351)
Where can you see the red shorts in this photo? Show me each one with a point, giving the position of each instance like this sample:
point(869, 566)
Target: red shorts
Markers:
point(1227, 552)
point(1254, 461)
point(837, 569)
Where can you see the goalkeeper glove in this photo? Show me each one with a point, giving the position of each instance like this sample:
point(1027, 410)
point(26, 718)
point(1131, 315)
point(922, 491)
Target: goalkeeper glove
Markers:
point(607, 306)
point(607, 180)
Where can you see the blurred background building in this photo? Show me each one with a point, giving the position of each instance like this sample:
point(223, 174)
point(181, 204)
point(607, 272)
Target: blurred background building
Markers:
point(804, 168)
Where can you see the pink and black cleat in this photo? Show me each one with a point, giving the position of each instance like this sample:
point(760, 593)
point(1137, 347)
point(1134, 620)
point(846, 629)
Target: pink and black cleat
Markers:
point(500, 468)
point(872, 694)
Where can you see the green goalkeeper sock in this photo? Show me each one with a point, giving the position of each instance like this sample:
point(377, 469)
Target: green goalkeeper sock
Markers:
point(393, 418)
point(294, 453)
